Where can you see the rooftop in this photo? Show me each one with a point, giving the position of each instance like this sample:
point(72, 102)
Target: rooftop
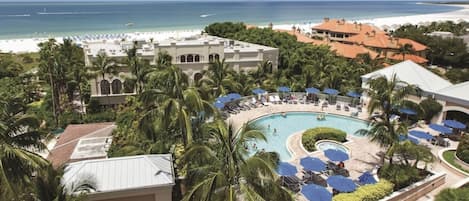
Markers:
point(382, 40)
point(70, 141)
point(457, 91)
point(412, 73)
point(351, 51)
point(412, 57)
point(122, 173)
point(342, 26)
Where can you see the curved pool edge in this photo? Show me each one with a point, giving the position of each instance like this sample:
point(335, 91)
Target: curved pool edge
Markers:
point(347, 149)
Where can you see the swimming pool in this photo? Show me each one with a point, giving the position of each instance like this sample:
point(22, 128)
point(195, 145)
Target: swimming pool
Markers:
point(325, 145)
point(295, 122)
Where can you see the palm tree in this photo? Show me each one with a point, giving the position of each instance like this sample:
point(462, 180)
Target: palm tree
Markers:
point(219, 76)
point(102, 66)
point(220, 168)
point(386, 96)
point(48, 66)
point(405, 49)
point(19, 135)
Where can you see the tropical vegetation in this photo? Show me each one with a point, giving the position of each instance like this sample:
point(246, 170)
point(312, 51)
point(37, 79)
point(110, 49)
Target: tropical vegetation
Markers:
point(453, 194)
point(312, 135)
point(450, 157)
point(371, 192)
point(463, 149)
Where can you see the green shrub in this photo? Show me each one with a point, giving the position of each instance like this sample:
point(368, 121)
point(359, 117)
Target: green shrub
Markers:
point(372, 192)
point(93, 106)
point(401, 175)
point(312, 135)
point(430, 108)
point(463, 149)
point(449, 194)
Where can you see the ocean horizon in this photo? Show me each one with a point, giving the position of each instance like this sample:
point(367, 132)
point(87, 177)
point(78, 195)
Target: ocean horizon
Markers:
point(61, 19)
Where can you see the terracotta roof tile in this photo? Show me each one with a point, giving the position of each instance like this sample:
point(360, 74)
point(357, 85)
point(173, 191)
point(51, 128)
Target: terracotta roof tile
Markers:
point(342, 26)
point(351, 51)
point(412, 57)
point(381, 40)
point(67, 141)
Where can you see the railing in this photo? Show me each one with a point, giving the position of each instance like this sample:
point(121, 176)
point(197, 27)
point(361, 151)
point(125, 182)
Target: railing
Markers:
point(299, 95)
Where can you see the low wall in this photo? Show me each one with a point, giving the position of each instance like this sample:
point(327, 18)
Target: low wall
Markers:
point(463, 164)
point(419, 189)
point(448, 165)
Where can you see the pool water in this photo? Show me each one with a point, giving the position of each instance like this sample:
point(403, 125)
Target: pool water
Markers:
point(331, 145)
point(294, 122)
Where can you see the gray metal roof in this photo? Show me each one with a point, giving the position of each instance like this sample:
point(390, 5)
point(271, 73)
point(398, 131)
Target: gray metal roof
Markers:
point(457, 93)
point(122, 173)
point(412, 73)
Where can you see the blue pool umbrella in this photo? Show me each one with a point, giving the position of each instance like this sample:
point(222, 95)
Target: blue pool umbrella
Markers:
point(407, 111)
point(454, 124)
point(411, 139)
point(233, 96)
point(420, 134)
point(219, 105)
point(223, 99)
point(313, 164)
point(314, 192)
point(283, 89)
point(354, 94)
point(441, 128)
point(341, 183)
point(258, 91)
point(331, 91)
point(312, 90)
point(286, 169)
point(336, 155)
point(366, 178)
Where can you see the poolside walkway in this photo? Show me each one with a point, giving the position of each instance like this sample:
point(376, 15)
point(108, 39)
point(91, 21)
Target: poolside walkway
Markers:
point(364, 153)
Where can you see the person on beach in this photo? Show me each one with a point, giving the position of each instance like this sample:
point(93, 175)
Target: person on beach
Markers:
point(275, 131)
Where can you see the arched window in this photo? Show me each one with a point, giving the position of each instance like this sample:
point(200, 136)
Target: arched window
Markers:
point(210, 58)
point(217, 57)
point(183, 58)
point(197, 58)
point(129, 86)
point(190, 58)
point(198, 76)
point(105, 87)
point(116, 86)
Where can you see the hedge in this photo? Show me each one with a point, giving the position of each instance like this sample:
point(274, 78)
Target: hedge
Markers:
point(451, 194)
point(401, 175)
point(372, 192)
point(463, 149)
point(312, 135)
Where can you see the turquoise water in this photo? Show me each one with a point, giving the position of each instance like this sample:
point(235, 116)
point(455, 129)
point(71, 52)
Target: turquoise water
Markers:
point(330, 145)
point(39, 19)
point(295, 122)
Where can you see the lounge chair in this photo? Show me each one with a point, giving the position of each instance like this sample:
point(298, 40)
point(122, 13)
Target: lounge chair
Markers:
point(346, 108)
point(272, 100)
point(316, 103)
point(313, 178)
point(292, 182)
point(277, 99)
point(338, 107)
point(354, 114)
point(359, 109)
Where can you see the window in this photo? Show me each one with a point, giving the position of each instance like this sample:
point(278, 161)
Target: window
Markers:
point(105, 87)
point(183, 59)
point(217, 57)
point(190, 58)
point(210, 58)
point(197, 58)
point(116, 86)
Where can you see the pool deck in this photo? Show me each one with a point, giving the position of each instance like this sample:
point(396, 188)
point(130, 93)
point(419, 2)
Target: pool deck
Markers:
point(364, 153)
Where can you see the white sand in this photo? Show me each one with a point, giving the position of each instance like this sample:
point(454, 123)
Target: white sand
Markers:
point(30, 45)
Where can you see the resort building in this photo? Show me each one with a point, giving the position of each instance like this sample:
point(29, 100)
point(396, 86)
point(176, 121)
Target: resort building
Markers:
point(82, 142)
point(453, 98)
point(133, 178)
point(192, 55)
point(370, 37)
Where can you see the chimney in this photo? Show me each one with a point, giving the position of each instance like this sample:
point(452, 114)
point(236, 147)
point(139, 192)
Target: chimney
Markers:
point(367, 35)
point(326, 19)
point(373, 33)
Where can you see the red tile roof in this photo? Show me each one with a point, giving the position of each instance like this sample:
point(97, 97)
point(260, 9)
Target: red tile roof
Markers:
point(381, 40)
point(351, 51)
point(67, 141)
point(341, 26)
point(412, 57)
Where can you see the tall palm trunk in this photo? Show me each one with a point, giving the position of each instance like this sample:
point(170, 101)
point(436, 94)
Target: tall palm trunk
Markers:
point(54, 104)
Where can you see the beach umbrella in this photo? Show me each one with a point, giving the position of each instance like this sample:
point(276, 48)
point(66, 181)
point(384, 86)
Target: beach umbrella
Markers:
point(407, 111)
point(313, 164)
point(336, 155)
point(258, 91)
point(341, 183)
point(312, 90)
point(411, 139)
point(314, 192)
point(219, 105)
point(283, 89)
point(331, 91)
point(441, 129)
point(354, 94)
point(454, 124)
point(420, 134)
point(367, 178)
point(286, 169)
point(234, 96)
point(223, 99)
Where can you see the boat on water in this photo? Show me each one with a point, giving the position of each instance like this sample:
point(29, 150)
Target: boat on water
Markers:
point(129, 24)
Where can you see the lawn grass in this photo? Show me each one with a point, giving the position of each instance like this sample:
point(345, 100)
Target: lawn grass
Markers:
point(449, 157)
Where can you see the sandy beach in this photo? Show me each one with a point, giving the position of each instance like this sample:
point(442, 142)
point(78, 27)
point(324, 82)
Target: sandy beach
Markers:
point(30, 44)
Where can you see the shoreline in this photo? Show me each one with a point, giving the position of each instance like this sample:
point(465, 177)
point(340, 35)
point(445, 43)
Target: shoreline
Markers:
point(28, 45)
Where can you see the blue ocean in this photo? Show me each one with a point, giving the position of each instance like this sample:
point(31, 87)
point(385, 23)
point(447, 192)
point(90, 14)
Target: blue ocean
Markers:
point(20, 20)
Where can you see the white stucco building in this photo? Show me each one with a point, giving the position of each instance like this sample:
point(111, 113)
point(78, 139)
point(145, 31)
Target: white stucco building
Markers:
point(192, 55)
